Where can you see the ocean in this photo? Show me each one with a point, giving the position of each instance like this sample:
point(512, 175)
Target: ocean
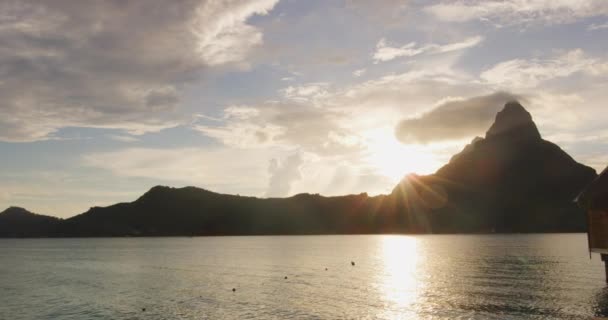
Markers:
point(536, 276)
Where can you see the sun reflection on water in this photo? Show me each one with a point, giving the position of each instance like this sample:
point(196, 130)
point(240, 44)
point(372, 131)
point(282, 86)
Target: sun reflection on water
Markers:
point(400, 282)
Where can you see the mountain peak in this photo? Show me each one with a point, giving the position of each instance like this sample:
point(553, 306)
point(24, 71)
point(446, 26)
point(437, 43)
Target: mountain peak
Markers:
point(15, 210)
point(514, 121)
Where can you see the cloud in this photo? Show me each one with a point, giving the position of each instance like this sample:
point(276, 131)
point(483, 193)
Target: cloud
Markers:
point(266, 172)
point(330, 121)
point(384, 52)
point(222, 170)
point(306, 92)
point(283, 175)
point(453, 119)
point(387, 12)
point(223, 36)
point(123, 138)
point(514, 12)
point(287, 125)
point(359, 72)
point(466, 43)
point(522, 73)
point(595, 26)
point(107, 64)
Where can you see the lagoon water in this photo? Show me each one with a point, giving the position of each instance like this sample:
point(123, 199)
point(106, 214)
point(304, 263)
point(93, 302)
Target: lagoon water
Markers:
point(394, 277)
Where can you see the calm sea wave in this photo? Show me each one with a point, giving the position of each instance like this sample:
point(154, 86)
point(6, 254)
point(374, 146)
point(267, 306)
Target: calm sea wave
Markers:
point(394, 277)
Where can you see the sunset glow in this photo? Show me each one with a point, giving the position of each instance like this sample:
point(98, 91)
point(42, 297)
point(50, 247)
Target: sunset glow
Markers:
point(270, 98)
point(395, 159)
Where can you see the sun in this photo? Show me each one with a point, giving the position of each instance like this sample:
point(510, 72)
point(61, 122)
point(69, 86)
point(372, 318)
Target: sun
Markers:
point(394, 159)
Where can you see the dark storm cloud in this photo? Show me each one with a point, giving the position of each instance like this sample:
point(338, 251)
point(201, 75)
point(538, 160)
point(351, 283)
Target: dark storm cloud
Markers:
point(114, 64)
point(454, 119)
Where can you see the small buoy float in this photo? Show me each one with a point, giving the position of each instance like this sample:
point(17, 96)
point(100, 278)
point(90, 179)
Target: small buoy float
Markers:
point(233, 289)
point(143, 309)
point(325, 269)
point(352, 263)
point(285, 277)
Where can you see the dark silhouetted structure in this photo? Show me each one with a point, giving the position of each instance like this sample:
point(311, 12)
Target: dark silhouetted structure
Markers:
point(594, 199)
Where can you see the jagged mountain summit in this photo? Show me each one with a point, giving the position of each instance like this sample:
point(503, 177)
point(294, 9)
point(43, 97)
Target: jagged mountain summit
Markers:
point(510, 181)
point(514, 121)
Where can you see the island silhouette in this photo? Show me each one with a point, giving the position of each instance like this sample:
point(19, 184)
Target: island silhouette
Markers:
point(509, 181)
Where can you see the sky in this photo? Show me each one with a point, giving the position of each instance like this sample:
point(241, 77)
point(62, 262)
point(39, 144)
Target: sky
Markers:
point(101, 100)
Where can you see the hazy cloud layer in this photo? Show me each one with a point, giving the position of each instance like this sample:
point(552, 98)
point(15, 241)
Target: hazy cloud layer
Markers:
point(529, 73)
point(111, 64)
point(513, 12)
point(453, 119)
point(222, 170)
point(286, 124)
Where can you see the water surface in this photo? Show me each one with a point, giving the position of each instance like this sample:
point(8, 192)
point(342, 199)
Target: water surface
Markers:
point(394, 277)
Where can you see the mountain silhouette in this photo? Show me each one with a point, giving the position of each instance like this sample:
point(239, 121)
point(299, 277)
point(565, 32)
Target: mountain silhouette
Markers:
point(510, 181)
point(18, 222)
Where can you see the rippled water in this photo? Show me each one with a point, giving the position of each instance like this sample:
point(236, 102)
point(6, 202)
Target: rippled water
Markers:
point(395, 277)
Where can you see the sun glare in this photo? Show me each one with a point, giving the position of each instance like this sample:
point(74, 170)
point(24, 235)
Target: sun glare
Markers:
point(400, 280)
point(395, 159)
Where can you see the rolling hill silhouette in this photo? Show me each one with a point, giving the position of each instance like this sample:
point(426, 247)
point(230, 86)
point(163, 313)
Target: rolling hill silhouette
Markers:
point(510, 181)
point(18, 222)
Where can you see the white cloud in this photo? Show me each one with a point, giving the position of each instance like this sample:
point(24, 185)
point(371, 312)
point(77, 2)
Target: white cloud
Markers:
point(241, 112)
point(522, 73)
point(328, 121)
point(283, 174)
point(466, 43)
point(337, 123)
point(513, 12)
point(595, 26)
point(223, 36)
point(306, 92)
point(359, 72)
point(118, 65)
point(286, 125)
point(243, 134)
point(385, 52)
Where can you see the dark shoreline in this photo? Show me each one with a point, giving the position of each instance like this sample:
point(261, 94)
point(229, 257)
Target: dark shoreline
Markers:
point(300, 235)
